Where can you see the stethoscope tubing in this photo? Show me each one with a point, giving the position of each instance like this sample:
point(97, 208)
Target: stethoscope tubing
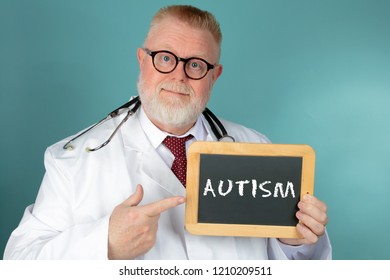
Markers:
point(215, 125)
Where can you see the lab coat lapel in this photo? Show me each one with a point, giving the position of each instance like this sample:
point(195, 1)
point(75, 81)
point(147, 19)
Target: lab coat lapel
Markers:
point(141, 152)
point(157, 170)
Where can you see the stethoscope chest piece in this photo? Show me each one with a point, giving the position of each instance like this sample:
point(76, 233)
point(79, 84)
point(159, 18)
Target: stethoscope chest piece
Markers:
point(227, 138)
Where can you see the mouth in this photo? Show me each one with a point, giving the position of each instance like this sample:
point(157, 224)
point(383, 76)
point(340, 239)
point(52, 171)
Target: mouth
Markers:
point(174, 92)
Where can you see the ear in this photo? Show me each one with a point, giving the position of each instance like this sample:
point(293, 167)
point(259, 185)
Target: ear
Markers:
point(140, 55)
point(217, 72)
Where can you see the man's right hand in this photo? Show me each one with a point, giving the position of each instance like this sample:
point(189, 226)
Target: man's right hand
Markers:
point(132, 228)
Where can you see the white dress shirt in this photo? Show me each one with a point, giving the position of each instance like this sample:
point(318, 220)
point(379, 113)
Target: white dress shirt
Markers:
point(156, 136)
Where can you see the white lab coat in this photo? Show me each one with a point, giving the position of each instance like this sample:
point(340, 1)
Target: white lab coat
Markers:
point(70, 217)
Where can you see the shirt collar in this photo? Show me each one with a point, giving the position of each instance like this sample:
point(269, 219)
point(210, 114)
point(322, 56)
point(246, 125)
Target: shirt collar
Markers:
point(156, 136)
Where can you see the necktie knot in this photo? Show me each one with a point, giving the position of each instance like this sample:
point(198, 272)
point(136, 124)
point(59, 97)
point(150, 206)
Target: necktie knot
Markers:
point(177, 145)
point(178, 148)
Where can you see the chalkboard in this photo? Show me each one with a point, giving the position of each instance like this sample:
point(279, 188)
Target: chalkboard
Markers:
point(247, 189)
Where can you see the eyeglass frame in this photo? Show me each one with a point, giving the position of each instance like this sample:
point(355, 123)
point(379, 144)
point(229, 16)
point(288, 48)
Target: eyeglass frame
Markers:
point(178, 59)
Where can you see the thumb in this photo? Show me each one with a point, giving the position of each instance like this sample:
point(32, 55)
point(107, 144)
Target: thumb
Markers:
point(135, 198)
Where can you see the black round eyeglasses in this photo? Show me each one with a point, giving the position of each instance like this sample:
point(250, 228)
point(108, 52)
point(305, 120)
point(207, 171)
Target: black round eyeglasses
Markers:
point(165, 62)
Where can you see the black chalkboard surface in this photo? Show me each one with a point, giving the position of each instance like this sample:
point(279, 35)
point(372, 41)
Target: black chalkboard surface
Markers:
point(246, 189)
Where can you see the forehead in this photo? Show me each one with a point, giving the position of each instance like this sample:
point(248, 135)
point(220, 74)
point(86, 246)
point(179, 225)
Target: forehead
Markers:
point(185, 41)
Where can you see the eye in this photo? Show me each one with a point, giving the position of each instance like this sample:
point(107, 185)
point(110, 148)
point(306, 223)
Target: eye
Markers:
point(196, 65)
point(166, 58)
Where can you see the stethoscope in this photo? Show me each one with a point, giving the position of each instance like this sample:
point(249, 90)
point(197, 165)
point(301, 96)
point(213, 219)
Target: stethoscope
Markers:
point(131, 107)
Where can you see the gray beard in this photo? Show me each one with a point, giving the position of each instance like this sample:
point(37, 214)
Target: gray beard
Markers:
point(170, 111)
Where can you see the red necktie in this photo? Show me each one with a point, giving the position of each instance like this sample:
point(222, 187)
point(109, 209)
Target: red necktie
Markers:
point(178, 148)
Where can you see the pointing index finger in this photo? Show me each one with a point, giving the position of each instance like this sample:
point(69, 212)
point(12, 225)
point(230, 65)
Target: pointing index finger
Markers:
point(156, 208)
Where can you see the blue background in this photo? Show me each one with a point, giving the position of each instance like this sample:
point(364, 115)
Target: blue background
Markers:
point(303, 71)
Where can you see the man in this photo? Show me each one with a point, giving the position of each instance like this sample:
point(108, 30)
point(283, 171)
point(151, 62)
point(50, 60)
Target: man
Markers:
point(123, 201)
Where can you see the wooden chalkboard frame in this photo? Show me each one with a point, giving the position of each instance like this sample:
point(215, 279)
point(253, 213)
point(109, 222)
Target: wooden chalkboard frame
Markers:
point(245, 149)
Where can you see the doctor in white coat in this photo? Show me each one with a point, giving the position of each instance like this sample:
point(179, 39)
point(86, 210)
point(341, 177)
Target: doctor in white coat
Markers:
point(123, 201)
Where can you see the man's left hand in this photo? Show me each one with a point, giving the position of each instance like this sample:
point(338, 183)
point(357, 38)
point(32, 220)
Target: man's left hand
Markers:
point(312, 218)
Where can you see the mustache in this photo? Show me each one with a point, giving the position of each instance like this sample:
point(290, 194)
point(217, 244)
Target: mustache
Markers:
point(176, 87)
